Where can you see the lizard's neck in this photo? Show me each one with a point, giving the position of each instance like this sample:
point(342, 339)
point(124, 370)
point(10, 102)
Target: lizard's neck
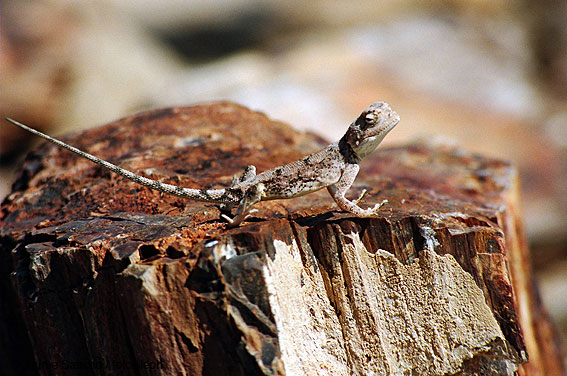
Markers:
point(347, 151)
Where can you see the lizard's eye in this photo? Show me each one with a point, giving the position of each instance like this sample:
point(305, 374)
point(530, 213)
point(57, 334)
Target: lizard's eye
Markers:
point(371, 118)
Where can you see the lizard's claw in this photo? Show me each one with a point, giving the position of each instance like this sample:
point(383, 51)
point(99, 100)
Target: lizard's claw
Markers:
point(360, 197)
point(377, 207)
point(231, 220)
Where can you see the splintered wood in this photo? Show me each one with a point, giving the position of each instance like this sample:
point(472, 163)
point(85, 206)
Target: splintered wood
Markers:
point(381, 316)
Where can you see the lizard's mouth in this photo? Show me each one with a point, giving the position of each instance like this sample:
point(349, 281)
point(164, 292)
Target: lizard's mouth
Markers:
point(386, 126)
point(370, 143)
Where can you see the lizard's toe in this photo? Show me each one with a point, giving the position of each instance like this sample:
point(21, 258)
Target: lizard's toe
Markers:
point(227, 218)
point(360, 197)
point(377, 207)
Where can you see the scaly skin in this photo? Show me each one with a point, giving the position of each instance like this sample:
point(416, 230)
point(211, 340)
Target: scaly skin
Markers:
point(335, 168)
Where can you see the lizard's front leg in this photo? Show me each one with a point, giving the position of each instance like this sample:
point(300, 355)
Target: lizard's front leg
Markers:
point(339, 189)
point(253, 195)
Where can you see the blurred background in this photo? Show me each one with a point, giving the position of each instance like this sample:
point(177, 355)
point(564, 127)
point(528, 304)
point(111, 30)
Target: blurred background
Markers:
point(487, 75)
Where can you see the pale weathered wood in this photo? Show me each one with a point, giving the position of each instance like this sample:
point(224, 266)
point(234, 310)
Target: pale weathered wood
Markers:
point(101, 275)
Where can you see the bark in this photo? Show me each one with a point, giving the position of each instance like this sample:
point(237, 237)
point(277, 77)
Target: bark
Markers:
point(99, 275)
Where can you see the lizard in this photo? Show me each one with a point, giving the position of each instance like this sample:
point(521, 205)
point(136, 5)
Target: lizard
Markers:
point(335, 167)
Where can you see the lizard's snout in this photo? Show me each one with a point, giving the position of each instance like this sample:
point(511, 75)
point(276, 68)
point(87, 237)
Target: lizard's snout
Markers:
point(380, 106)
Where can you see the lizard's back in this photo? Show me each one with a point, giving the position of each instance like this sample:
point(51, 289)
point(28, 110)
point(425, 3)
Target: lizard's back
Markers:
point(309, 174)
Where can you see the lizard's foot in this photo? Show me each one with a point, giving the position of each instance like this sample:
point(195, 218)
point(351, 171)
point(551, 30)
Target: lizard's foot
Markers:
point(370, 212)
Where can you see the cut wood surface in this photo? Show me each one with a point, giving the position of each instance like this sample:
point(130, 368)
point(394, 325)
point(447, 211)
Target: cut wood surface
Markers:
point(100, 275)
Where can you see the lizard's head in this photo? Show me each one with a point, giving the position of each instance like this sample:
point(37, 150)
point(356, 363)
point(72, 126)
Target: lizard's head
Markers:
point(370, 128)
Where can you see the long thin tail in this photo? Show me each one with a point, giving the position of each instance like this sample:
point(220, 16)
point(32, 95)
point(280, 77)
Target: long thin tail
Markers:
point(212, 195)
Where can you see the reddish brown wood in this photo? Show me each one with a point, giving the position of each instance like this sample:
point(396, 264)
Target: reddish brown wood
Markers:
point(100, 274)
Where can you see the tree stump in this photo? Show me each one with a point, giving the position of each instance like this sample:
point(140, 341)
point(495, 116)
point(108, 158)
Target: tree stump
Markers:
point(100, 275)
